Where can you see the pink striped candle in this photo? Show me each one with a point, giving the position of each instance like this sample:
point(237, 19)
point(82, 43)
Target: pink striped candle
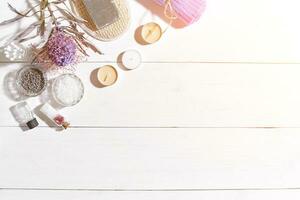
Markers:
point(189, 11)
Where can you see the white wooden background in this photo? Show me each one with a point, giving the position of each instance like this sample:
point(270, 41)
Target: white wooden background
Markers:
point(213, 113)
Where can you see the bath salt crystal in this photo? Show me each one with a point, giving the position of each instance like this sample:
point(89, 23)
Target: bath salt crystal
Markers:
point(14, 51)
point(68, 90)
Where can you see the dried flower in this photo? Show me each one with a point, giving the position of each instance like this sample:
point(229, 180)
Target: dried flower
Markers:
point(65, 45)
point(61, 49)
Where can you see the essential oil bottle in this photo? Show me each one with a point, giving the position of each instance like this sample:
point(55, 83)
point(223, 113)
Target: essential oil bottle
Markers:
point(54, 116)
point(24, 115)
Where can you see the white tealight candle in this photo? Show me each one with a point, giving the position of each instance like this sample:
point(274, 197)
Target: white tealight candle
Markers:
point(131, 59)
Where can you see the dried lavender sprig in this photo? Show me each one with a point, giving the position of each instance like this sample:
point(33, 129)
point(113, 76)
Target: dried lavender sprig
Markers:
point(67, 16)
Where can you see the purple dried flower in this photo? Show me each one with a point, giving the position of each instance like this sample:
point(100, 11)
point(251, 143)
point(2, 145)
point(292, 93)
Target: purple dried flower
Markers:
point(61, 49)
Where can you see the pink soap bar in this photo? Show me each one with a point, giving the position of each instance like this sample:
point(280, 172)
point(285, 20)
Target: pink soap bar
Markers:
point(189, 11)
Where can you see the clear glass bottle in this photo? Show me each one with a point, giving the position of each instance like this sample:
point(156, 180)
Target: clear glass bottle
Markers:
point(54, 115)
point(24, 115)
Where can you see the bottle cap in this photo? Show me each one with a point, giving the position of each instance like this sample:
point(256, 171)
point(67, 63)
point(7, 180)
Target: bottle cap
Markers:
point(32, 123)
point(66, 125)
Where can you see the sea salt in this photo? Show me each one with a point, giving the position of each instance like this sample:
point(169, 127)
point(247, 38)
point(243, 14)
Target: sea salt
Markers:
point(68, 90)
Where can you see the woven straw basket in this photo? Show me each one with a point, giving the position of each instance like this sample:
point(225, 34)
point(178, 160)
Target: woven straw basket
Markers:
point(109, 32)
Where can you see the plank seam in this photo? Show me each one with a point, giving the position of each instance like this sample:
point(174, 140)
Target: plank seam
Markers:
point(166, 127)
point(150, 190)
point(180, 62)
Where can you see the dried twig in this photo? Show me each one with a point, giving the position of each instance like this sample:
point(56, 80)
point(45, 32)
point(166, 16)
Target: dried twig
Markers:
point(47, 15)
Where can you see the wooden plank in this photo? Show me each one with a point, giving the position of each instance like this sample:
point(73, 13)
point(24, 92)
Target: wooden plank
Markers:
point(207, 195)
point(150, 159)
point(177, 95)
point(229, 31)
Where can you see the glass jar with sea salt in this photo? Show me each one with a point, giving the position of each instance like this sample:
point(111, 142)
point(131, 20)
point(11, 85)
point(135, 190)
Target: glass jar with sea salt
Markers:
point(67, 90)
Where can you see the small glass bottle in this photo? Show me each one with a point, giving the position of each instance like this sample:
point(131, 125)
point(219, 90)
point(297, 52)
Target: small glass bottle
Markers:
point(54, 116)
point(24, 115)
